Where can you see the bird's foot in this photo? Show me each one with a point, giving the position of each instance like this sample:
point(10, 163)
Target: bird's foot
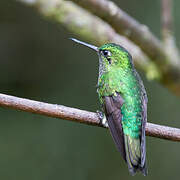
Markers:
point(102, 118)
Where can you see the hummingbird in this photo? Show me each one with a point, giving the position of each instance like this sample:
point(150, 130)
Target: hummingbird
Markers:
point(124, 103)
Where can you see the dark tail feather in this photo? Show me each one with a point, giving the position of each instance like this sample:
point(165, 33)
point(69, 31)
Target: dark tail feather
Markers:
point(144, 169)
point(133, 155)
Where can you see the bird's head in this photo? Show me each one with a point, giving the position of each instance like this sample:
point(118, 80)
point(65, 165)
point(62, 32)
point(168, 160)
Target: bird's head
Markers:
point(110, 56)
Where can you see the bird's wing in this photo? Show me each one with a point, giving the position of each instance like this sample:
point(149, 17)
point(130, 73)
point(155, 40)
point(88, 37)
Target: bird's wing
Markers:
point(143, 136)
point(112, 107)
point(144, 120)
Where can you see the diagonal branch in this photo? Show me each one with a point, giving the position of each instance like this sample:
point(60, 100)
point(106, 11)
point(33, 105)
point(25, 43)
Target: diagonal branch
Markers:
point(126, 25)
point(77, 115)
point(169, 41)
point(95, 29)
point(167, 60)
point(166, 18)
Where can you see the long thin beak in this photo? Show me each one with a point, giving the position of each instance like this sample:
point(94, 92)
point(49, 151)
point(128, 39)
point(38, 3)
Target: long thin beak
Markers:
point(85, 44)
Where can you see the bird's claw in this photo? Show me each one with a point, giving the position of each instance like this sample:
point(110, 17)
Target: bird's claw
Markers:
point(102, 118)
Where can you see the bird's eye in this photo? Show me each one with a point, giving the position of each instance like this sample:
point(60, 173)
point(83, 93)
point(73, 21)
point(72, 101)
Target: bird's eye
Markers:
point(106, 53)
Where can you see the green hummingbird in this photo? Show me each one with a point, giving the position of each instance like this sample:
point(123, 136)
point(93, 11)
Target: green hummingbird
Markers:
point(124, 103)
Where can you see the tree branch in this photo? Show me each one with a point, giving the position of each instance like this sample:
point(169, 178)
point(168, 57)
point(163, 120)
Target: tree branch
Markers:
point(167, 60)
point(92, 29)
point(126, 25)
point(169, 41)
point(69, 15)
point(166, 18)
point(77, 115)
point(166, 66)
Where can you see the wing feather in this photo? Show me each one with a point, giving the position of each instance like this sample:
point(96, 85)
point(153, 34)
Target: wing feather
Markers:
point(143, 164)
point(143, 135)
point(112, 108)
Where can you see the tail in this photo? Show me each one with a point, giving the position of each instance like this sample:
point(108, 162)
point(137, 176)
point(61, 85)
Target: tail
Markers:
point(133, 155)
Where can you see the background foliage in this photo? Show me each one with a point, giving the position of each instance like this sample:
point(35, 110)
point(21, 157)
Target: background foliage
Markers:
point(37, 61)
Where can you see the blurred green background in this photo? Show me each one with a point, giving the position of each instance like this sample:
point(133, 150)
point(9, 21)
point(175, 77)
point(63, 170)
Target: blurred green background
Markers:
point(38, 61)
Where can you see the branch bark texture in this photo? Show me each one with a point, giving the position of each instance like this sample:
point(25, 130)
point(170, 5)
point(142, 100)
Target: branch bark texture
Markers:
point(77, 115)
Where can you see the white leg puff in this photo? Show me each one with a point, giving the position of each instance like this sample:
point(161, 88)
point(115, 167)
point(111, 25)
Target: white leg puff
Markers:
point(102, 118)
